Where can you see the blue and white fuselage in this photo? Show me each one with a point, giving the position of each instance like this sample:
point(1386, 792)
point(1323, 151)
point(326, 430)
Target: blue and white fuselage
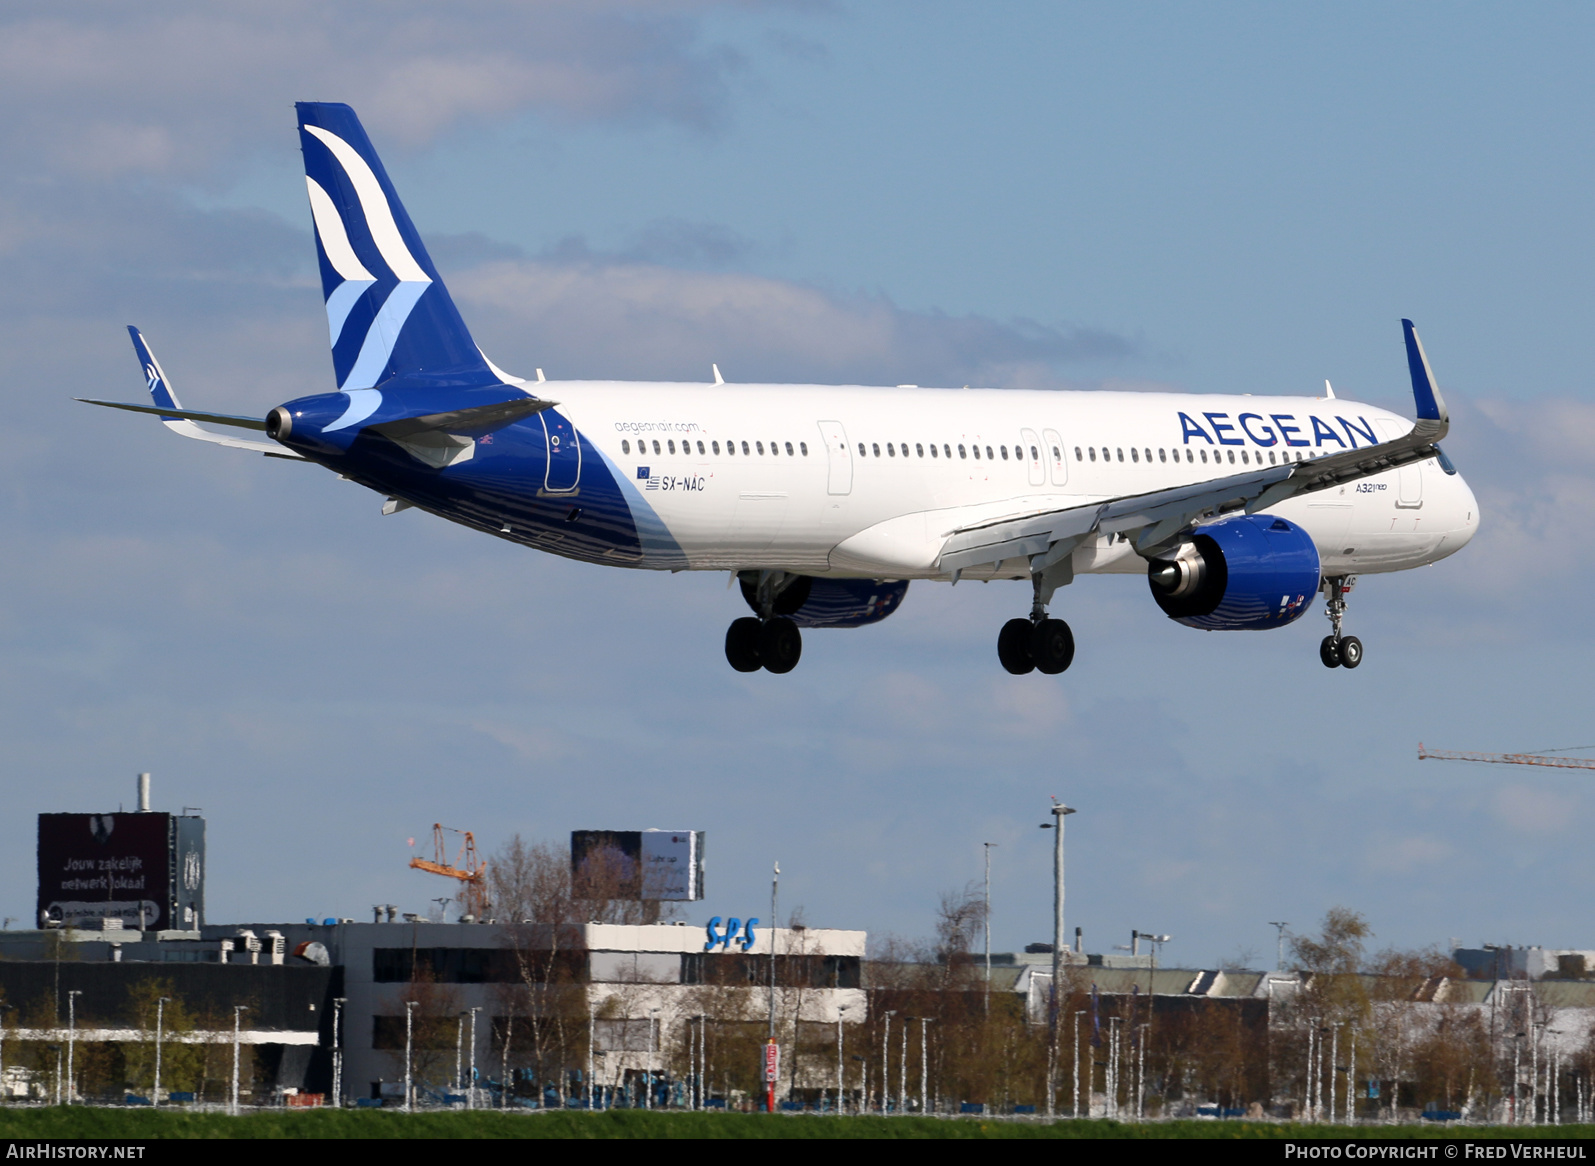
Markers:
point(826, 499)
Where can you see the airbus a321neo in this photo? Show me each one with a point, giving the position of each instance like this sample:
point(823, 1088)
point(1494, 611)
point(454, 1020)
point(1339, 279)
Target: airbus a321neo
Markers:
point(827, 500)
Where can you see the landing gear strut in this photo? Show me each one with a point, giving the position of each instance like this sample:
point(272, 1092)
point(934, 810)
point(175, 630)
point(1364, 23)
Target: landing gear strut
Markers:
point(1037, 644)
point(1337, 651)
point(772, 641)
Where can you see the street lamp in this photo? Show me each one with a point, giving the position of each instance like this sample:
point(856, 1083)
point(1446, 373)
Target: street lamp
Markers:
point(1059, 812)
point(337, 1050)
point(987, 921)
point(470, 1093)
point(155, 1094)
point(924, 1063)
point(840, 1104)
point(648, 1071)
point(71, 1038)
point(409, 1044)
point(886, 1063)
point(237, 1009)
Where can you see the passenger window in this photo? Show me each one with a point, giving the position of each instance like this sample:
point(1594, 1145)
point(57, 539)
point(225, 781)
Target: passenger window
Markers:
point(947, 450)
point(876, 448)
point(1057, 455)
point(1121, 455)
point(1093, 453)
point(1232, 457)
point(1191, 457)
point(976, 448)
point(1135, 454)
point(1077, 456)
point(1148, 455)
point(1162, 455)
point(988, 453)
point(932, 449)
point(672, 446)
point(961, 451)
point(1004, 453)
point(1243, 457)
point(715, 445)
point(700, 447)
point(744, 449)
point(625, 447)
point(656, 447)
point(861, 449)
point(890, 451)
point(789, 449)
point(920, 449)
point(803, 447)
point(759, 445)
point(1204, 457)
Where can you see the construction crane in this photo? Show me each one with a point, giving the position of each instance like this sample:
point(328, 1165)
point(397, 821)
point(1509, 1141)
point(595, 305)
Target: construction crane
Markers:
point(466, 867)
point(1425, 754)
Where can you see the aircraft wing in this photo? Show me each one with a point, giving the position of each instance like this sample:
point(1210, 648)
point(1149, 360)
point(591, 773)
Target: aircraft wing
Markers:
point(1155, 521)
point(184, 422)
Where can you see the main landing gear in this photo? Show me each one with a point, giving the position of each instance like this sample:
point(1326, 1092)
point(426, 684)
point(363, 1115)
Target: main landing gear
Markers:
point(772, 641)
point(1339, 651)
point(1037, 644)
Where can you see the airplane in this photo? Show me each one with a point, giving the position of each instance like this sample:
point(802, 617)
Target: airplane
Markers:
point(825, 501)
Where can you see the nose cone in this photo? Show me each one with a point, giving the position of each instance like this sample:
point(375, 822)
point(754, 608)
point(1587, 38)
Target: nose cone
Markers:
point(1463, 515)
point(323, 425)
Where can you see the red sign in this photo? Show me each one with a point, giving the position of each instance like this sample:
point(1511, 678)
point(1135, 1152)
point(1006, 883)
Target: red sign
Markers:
point(772, 1062)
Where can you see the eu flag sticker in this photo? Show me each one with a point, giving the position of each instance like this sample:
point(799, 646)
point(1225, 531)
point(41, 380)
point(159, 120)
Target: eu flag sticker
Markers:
point(642, 472)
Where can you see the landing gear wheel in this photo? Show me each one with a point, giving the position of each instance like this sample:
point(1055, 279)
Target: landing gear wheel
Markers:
point(1013, 647)
point(1329, 652)
point(1052, 646)
point(780, 645)
point(742, 644)
point(1350, 652)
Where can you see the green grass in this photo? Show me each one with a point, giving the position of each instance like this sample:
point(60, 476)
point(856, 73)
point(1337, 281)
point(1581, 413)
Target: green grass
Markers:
point(90, 1122)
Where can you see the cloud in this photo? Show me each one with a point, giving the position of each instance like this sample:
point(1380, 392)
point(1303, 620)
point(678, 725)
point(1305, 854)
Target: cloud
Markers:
point(649, 321)
point(1533, 810)
point(98, 89)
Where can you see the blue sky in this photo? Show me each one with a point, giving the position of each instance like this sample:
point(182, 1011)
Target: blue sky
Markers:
point(1226, 198)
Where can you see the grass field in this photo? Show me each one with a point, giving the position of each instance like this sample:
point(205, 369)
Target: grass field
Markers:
point(114, 1124)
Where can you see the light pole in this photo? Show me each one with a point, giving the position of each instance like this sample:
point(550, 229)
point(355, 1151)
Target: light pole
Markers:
point(924, 1066)
point(648, 1073)
point(1279, 958)
point(902, 1070)
point(470, 1093)
point(840, 1104)
point(71, 1038)
point(1078, 1014)
point(592, 1033)
point(237, 1009)
point(459, 1051)
point(337, 1050)
point(409, 1045)
point(155, 1094)
point(886, 1064)
point(4, 1008)
point(771, 1052)
point(987, 921)
point(1059, 812)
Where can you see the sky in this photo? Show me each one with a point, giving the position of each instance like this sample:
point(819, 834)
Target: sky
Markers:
point(1236, 198)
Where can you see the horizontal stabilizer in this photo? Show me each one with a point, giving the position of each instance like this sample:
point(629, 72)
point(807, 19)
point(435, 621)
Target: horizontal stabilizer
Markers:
point(460, 420)
point(182, 414)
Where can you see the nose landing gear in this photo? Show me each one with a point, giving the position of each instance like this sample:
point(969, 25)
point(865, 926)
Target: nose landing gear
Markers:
point(1337, 651)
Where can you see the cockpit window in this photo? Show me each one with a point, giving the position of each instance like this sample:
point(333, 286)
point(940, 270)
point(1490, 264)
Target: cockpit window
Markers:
point(1445, 462)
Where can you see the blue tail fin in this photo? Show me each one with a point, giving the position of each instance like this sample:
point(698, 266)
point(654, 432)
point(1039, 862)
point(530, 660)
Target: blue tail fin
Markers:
point(388, 312)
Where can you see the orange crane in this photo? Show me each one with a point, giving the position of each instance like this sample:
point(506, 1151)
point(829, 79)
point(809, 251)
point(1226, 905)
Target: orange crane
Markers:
point(466, 867)
point(1507, 758)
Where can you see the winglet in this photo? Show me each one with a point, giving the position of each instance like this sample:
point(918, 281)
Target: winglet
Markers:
point(1425, 393)
point(154, 375)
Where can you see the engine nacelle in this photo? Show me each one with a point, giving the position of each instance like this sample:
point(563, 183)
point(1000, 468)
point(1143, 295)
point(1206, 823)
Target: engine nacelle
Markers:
point(833, 603)
point(1250, 572)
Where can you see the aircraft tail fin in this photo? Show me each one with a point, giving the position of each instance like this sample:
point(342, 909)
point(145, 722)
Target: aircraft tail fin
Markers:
point(388, 313)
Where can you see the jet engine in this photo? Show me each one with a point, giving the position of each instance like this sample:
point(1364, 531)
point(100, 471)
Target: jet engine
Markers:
point(1249, 572)
point(832, 603)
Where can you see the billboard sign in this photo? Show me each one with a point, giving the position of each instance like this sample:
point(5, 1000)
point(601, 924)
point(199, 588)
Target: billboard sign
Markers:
point(661, 865)
point(146, 869)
